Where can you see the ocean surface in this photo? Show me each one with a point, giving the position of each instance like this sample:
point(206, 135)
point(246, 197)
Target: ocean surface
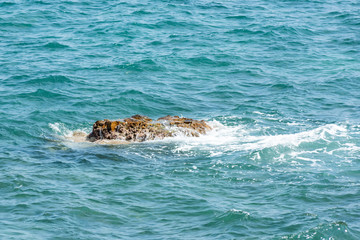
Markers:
point(278, 80)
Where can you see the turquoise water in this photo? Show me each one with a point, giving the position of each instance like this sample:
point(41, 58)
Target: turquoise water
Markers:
point(278, 80)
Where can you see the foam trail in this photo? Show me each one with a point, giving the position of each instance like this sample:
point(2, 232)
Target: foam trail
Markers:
point(239, 138)
point(325, 133)
point(225, 139)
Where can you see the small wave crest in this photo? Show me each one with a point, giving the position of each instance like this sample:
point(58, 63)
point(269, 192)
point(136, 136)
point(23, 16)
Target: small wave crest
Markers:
point(334, 230)
point(64, 133)
point(55, 45)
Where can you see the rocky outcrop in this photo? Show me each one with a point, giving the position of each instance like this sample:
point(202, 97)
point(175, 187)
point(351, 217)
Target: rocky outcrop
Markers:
point(141, 128)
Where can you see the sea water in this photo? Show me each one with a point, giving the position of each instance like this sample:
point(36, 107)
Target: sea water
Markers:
point(279, 82)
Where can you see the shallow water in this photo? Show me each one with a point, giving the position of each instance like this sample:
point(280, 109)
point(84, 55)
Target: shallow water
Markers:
point(278, 81)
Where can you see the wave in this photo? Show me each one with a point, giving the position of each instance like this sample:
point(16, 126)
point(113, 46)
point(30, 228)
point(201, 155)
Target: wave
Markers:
point(61, 131)
point(245, 32)
point(50, 79)
point(55, 45)
point(239, 137)
point(333, 230)
point(16, 24)
point(204, 61)
point(140, 66)
point(240, 17)
point(6, 4)
point(330, 142)
point(282, 86)
point(41, 94)
point(247, 138)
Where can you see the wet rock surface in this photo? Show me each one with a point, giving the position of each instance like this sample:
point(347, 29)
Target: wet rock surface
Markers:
point(141, 128)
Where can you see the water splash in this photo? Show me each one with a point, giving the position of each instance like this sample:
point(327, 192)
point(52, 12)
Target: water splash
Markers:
point(300, 147)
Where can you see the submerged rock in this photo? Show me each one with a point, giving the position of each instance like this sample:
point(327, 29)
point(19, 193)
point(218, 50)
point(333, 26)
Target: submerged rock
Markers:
point(141, 128)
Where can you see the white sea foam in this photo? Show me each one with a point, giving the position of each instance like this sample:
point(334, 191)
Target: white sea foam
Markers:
point(302, 146)
point(233, 137)
point(64, 133)
point(224, 140)
point(60, 129)
point(325, 133)
point(241, 138)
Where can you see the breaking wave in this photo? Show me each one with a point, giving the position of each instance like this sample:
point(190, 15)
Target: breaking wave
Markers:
point(305, 146)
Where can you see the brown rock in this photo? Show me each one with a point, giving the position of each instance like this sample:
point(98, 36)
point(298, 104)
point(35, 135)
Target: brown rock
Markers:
point(140, 128)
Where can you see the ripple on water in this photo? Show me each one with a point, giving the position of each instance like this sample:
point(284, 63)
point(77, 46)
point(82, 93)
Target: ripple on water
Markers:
point(55, 45)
